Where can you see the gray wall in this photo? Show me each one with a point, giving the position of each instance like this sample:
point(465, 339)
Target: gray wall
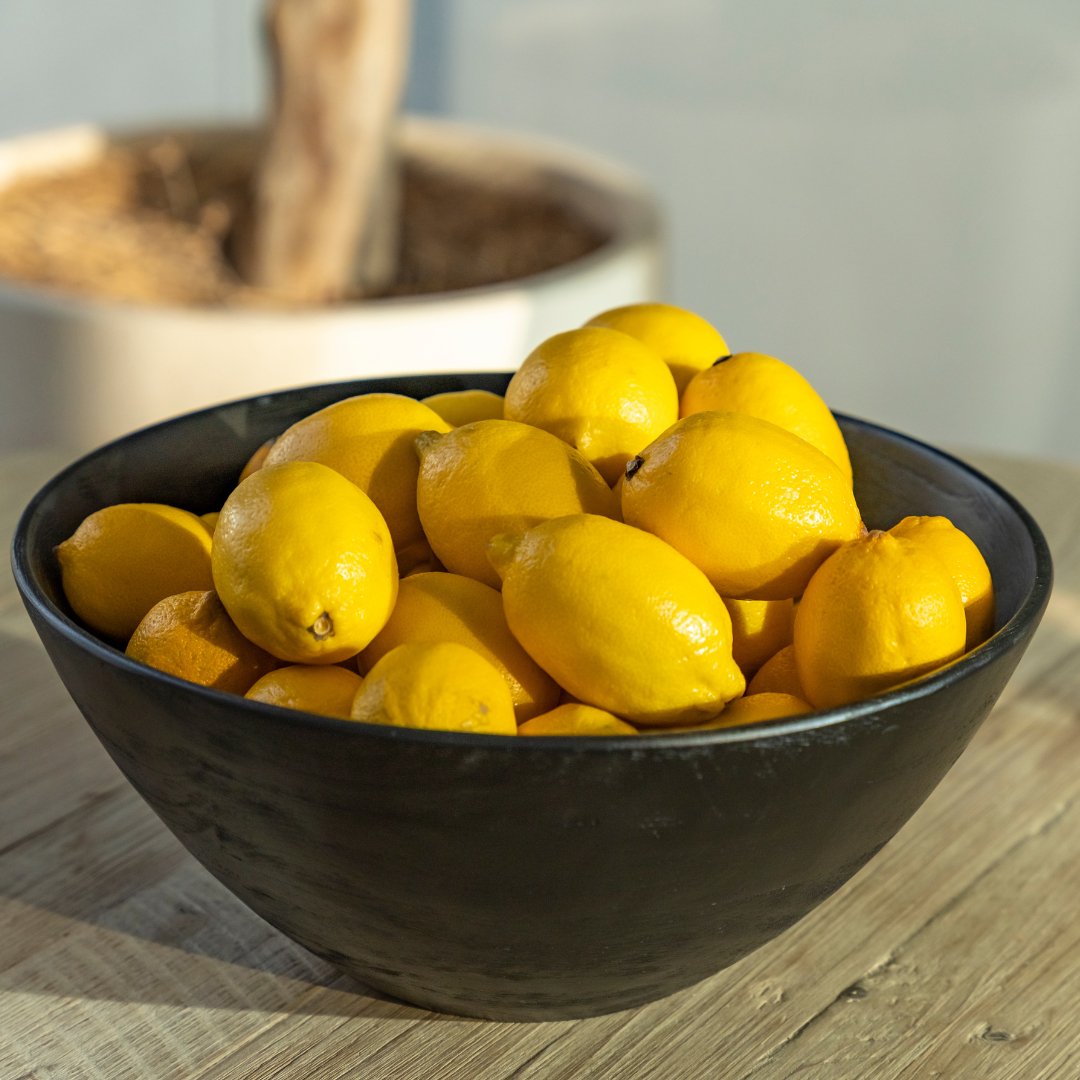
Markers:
point(125, 61)
point(886, 195)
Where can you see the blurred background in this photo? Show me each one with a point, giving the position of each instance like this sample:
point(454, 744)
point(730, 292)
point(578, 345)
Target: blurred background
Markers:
point(885, 195)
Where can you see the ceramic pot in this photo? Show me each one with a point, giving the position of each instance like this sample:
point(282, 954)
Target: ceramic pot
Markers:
point(77, 371)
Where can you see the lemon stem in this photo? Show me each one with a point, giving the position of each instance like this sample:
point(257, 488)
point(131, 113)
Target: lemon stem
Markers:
point(424, 442)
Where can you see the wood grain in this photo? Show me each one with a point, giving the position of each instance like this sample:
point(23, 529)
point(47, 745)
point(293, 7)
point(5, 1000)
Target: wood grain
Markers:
point(951, 954)
point(325, 191)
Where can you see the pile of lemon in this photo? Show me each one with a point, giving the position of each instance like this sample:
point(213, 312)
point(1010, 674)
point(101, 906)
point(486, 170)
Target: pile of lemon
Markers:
point(647, 533)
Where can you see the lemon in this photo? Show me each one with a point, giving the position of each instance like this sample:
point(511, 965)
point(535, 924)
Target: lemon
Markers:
point(459, 407)
point(880, 611)
point(123, 559)
point(326, 691)
point(257, 459)
point(369, 440)
point(778, 675)
point(756, 508)
point(769, 389)
point(304, 563)
point(450, 607)
point(618, 618)
point(964, 562)
point(685, 341)
point(753, 709)
point(600, 390)
point(576, 719)
point(499, 476)
point(416, 558)
point(437, 685)
point(759, 628)
point(191, 636)
point(209, 521)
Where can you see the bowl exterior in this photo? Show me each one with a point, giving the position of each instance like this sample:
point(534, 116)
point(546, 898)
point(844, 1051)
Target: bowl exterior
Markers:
point(519, 879)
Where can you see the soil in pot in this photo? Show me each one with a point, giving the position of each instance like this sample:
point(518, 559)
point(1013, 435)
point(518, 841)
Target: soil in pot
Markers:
point(150, 223)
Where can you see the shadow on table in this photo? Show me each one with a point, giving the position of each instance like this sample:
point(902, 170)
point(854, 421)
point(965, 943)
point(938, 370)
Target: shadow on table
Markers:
point(97, 898)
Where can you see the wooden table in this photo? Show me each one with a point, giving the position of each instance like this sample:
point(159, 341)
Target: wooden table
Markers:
point(955, 953)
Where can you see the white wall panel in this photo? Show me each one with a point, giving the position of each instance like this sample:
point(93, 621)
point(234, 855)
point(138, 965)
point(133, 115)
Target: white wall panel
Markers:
point(885, 194)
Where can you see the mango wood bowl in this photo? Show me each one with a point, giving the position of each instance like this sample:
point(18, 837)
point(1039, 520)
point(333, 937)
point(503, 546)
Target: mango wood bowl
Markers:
point(513, 878)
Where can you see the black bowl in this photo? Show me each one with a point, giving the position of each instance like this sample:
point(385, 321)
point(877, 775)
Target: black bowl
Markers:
point(509, 878)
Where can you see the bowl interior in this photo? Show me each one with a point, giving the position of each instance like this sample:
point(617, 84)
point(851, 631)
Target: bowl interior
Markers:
point(896, 476)
point(192, 461)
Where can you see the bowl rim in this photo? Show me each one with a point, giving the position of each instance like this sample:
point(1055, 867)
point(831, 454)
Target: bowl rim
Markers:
point(924, 686)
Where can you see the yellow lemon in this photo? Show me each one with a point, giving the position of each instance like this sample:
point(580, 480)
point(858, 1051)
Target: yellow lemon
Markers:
point(459, 407)
point(618, 618)
point(576, 719)
point(326, 691)
point(600, 390)
point(123, 559)
point(778, 675)
point(753, 709)
point(416, 558)
point(437, 685)
point(759, 629)
point(756, 508)
point(686, 342)
point(450, 607)
point(769, 389)
point(257, 459)
point(426, 566)
point(209, 521)
point(964, 561)
point(499, 476)
point(304, 563)
point(369, 440)
point(191, 636)
point(878, 612)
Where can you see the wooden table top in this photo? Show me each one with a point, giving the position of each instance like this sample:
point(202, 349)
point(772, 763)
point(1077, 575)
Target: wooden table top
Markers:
point(955, 953)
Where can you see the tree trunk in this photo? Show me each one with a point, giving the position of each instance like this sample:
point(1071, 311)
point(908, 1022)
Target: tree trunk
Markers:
point(325, 198)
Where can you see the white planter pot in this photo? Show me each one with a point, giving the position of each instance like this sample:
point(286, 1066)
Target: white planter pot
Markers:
point(76, 371)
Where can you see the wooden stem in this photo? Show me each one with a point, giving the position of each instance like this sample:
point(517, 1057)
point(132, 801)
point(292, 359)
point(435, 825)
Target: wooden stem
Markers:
point(325, 190)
